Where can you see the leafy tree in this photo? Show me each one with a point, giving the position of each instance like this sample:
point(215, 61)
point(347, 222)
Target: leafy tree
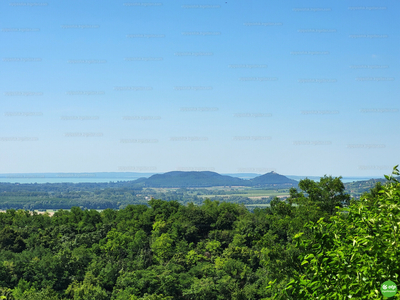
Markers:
point(10, 239)
point(353, 254)
point(86, 290)
point(117, 244)
point(202, 289)
point(44, 294)
point(162, 247)
point(327, 194)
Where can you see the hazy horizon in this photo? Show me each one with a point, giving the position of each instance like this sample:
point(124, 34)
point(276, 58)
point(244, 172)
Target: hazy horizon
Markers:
point(93, 177)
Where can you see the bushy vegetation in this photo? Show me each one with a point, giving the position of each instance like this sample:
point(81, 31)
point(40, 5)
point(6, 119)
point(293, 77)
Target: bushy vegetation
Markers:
point(300, 248)
point(352, 254)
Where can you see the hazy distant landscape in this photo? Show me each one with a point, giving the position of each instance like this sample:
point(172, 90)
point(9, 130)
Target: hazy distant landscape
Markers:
point(122, 176)
point(184, 187)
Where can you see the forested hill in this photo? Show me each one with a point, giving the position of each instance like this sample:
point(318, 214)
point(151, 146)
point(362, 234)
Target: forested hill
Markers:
point(193, 179)
point(180, 179)
point(272, 178)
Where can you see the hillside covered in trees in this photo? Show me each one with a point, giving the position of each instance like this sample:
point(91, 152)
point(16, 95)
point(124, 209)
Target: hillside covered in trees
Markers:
point(179, 179)
point(317, 243)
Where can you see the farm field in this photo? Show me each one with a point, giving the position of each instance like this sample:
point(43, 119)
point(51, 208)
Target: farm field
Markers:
point(253, 193)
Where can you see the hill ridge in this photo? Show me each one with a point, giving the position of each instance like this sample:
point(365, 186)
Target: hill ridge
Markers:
point(182, 179)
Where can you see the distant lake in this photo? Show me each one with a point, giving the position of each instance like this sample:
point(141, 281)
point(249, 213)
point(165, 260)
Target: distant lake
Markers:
point(71, 177)
point(60, 180)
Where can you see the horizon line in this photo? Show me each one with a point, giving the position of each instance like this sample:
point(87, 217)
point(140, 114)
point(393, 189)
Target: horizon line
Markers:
point(224, 173)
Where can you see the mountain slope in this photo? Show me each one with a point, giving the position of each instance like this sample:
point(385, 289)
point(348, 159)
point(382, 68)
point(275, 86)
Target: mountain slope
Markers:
point(192, 179)
point(272, 178)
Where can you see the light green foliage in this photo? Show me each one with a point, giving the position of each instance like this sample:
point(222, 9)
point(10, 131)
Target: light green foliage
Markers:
point(353, 254)
point(159, 226)
point(6, 294)
point(162, 247)
point(86, 290)
point(117, 243)
point(213, 246)
point(192, 257)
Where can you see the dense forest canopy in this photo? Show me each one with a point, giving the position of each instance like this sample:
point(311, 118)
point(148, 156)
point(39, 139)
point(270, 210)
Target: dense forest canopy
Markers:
point(318, 243)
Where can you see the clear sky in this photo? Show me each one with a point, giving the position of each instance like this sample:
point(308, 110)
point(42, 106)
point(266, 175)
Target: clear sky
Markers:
point(297, 87)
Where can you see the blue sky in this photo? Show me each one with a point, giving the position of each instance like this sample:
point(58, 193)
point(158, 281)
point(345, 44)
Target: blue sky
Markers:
point(301, 88)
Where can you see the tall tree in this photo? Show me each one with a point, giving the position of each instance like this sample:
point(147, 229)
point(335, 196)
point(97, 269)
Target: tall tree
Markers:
point(353, 254)
point(327, 194)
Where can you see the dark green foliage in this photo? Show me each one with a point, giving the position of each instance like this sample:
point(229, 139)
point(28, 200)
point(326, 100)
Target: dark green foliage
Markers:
point(352, 254)
point(166, 250)
point(11, 240)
